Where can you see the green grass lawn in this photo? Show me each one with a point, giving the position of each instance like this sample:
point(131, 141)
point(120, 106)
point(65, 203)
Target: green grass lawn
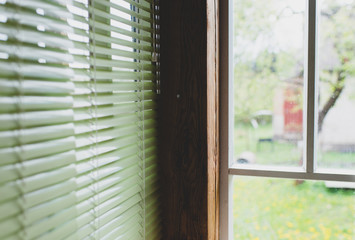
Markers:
point(278, 209)
point(279, 153)
point(282, 153)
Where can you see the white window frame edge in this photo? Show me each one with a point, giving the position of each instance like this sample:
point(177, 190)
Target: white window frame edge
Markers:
point(308, 171)
point(226, 118)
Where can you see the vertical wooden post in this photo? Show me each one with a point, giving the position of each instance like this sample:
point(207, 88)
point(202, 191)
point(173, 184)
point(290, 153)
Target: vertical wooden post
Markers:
point(188, 119)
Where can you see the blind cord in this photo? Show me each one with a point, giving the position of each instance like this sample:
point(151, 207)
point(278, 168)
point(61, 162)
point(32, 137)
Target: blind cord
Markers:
point(142, 117)
point(143, 133)
point(94, 161)
point(20, 150)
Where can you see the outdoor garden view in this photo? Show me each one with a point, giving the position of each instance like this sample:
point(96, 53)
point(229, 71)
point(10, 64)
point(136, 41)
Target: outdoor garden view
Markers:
point(270, 55)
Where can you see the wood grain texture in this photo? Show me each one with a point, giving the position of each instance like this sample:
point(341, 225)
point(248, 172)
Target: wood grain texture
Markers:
point(188, 143)
point(213, 119)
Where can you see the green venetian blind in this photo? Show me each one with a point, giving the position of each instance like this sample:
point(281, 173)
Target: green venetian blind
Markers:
point(78, 85)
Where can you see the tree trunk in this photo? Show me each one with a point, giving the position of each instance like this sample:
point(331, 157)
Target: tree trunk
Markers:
point(338, 89)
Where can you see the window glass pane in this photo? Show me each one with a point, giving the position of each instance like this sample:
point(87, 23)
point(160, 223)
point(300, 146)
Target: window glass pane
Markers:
point(268, 81)
point(267, 208)
point(336, 139)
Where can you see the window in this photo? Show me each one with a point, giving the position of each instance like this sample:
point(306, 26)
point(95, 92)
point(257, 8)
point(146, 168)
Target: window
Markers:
point(78, 89)
point(276, 68)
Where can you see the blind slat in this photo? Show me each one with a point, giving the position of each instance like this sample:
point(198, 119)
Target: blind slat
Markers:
point(33, 37)
point(34, 103)
point(114, 29)
point(106, 148)
point(11, 172)
point(112, 121)
point(101, 62)
point(36, 182)
point(111, 110)
point(33, 135)
point(33, 87)
point(41, 211)
point(128, 218)
point(104, 75)
point(115, 206)
point(126, 22)
point(85, 180)
point(36, 118)
point(86, 101)
point(31, 71)
point(113, 5)
point(36, 150)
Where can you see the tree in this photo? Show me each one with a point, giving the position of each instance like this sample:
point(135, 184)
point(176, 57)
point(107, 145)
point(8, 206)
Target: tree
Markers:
point(338, 36)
